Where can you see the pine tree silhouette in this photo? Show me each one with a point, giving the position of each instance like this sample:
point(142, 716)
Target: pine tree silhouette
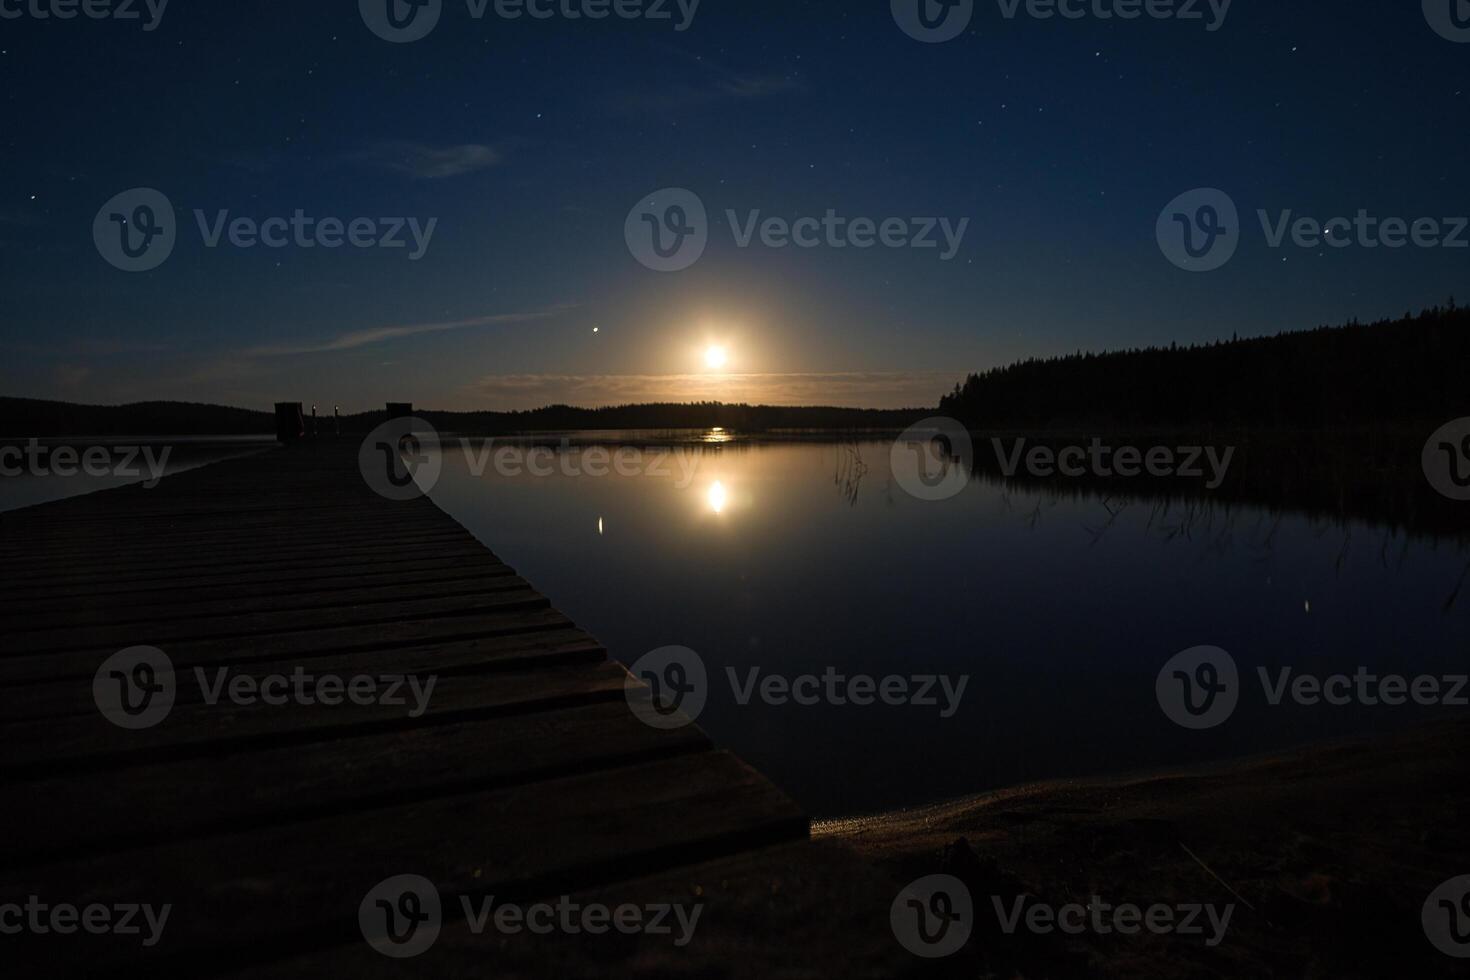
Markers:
point(1408, 370)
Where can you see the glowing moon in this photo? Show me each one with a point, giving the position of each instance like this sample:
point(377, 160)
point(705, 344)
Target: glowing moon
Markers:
point(716, 357)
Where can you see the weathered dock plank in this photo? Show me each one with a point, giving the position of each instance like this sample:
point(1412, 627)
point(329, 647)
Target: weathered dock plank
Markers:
point(278, 889)
point(193, 604)
point(440, 600)
point(88, 742)
point(554, 641)
point(162, 802)
point(264, 825)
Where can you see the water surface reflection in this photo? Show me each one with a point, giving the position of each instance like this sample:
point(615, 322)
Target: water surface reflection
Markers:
point(1061, 605)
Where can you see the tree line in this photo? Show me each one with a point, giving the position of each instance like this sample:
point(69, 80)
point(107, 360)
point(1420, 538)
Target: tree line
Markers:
point(1411, 369)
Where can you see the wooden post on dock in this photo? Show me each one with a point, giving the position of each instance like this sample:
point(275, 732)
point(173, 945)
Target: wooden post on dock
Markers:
point(290, 425)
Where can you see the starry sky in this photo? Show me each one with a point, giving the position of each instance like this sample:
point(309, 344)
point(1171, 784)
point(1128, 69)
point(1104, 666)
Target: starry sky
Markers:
point(529, 141)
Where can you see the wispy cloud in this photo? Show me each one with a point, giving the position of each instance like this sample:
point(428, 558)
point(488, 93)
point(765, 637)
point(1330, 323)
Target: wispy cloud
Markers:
point(875, 389)
point(425, 162)
point(71, 378)
point(717, 85)
point(376, 335)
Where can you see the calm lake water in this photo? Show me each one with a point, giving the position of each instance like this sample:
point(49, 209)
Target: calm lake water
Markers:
point(1061, 609)
point(130, 459)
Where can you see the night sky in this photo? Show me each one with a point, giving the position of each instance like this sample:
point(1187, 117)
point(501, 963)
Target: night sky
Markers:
point(530, 141)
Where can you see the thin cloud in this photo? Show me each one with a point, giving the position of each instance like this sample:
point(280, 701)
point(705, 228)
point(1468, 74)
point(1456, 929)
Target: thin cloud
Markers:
point(377, 335)
point(424, 162)
point(868, 389)
point(71, 377)
point(718, 86)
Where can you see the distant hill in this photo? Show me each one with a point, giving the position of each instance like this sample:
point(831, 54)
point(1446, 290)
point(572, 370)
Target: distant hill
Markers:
point(27, 417)
point(1410, 370)
point(1414, 369)
point(695, 415)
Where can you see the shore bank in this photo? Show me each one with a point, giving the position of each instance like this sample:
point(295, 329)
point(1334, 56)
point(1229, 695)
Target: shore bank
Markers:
point(1328, 853)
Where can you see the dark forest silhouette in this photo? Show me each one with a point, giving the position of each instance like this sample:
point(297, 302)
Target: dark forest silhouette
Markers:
point(33, 417)
point(1410, 370)
point(1407, 370)
point(26, 417)
point(694, 415)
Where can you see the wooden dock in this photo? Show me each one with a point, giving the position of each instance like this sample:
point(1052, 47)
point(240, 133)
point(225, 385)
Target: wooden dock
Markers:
point(264, 826)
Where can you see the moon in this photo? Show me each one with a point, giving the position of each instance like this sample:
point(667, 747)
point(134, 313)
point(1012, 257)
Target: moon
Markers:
point(716, 357)
point(717, 497)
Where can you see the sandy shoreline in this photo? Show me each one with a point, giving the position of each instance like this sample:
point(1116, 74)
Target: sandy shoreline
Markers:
point(1327, 852)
